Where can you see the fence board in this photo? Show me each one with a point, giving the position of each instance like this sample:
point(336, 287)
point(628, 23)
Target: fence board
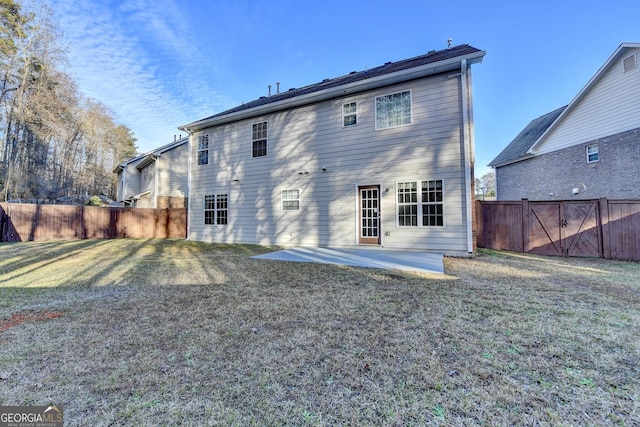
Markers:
point(500, 225)
point(506, 225)
point(29, 222)
point(624, 230)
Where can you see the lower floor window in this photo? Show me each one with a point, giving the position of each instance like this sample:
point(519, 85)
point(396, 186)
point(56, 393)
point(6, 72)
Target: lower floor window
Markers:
point(420, 203)
point(290, 200)
point(216, 208)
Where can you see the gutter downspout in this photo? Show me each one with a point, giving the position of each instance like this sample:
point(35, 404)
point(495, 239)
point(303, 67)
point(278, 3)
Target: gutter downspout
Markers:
point(123, 196)
point(156, 172)
point(469, 152)
point(189, 162)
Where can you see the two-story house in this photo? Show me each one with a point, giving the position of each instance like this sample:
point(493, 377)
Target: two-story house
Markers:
point(380, 157)
point(157, 179)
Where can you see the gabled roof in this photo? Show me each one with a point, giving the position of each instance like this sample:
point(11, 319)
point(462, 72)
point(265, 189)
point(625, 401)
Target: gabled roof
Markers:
point(523, 146)
point(518, 148)
point(419, 66)
point(148, 157)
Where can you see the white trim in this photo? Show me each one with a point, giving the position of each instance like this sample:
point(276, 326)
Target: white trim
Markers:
point(375, 109)
point(586, 148)
point(357, 214)
point(419, 204)
point(253, 140)
point(350, 114)
point(189, 185)
point(156, 173)
point(299, 200)
point(467, 125)
point(215, 195)
point(198, 150)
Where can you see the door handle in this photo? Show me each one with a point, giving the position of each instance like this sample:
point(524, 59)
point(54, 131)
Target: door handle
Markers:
point(563, 223)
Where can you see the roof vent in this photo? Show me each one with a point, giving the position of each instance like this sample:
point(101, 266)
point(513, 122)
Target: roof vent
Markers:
point(325, 80)
point(293, 88)
point(630, 63)
point(353, 72)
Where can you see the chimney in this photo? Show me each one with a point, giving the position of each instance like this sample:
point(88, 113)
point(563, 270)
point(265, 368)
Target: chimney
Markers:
point(174, 138)
point(269, 90)
point(277, 87)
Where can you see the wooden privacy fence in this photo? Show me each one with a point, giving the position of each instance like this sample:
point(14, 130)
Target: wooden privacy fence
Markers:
point(590, 228)
point(29, 222)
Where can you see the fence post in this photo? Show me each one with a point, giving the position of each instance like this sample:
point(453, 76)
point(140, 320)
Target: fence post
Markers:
point(525, 226)
point(606, 232)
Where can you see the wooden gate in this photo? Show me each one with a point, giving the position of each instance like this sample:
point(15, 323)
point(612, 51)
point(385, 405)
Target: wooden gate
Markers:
point(565, 228)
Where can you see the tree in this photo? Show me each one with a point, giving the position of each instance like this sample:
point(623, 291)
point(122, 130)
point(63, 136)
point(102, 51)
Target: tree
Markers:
point(486, 185)
point(53, 141)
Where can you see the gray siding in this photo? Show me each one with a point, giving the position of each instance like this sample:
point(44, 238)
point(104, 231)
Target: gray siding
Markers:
point(303, 141)
point(553, 176)
point(173, 177)
point(148, 178)
point(132, 182)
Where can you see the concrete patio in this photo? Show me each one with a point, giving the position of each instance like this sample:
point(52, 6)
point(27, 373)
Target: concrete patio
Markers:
point(362, 257)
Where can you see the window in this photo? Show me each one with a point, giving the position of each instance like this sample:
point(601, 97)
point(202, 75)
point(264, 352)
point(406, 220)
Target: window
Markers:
point(408, 204)
point(432, 215)
point(203, 149)
point(350, 114)
point(290, 200)
point(423, 207)
point(393, 110)
point(259, 139)
point(216, 209)
point(592, 153)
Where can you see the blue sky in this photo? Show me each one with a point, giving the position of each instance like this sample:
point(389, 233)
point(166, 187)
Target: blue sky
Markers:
point(159, 64)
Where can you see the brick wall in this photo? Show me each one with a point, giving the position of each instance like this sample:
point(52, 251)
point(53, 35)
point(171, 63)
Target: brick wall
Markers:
point(553, 176)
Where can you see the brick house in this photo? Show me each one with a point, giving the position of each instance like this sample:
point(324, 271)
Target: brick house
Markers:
point(588, 149)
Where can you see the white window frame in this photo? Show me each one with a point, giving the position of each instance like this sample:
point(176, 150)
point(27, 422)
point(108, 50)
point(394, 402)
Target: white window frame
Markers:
point(292, 195)
point(265, 139)
point(387, 126)
point(420, 203)
point(216, 210)
point(349, 114)
point(589, 154)
point(203, 146)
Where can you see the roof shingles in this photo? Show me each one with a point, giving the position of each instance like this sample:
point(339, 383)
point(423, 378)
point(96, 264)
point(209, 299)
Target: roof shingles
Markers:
point(388, 68)
point(517, 149)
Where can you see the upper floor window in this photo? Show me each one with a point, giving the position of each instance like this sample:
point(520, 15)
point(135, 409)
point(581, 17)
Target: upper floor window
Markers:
point(259, 139)
point(592, 153)
point(393, 110)
point(290, 200)
point(350, 114)
point(203, 149)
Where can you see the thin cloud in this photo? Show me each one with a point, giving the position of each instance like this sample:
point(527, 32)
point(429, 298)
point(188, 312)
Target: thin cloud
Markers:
point(135, 58)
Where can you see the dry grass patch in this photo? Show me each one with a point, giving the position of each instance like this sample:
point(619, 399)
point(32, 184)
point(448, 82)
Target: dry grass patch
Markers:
point(159, 332)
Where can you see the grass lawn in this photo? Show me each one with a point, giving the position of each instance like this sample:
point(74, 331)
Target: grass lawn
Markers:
point(169, 332)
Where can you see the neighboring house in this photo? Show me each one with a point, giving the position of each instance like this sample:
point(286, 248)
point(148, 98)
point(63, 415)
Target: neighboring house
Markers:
point(157, 179)
point(588, 149)
point(378, 157)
